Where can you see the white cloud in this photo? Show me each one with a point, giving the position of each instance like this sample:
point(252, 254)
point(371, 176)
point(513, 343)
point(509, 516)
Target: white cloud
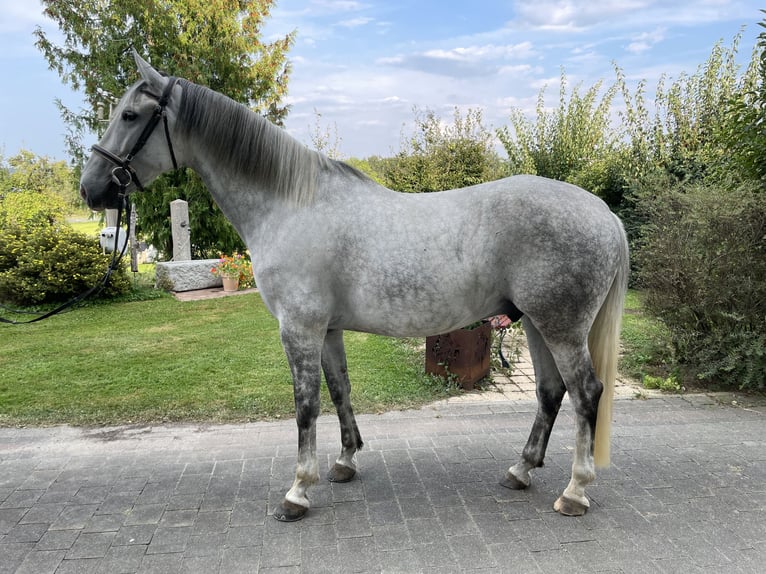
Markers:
point(645, 41)
point(573, 14)
point(638, 47)
point(338, 5)
point(581, 15)
point(355, 22)
point(490, 51)
point(519, 70)
point(461, 61)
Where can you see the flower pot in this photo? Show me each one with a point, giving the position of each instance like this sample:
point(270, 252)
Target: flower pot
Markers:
point(463, 354)
point(230, 282)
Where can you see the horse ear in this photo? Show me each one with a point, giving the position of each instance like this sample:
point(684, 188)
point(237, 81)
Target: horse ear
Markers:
point(149, 74)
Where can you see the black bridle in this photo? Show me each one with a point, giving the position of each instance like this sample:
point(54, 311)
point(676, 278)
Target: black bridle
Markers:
point(122, 175)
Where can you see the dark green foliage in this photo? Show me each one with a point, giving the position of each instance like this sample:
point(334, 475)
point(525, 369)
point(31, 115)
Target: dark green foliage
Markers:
point(743, 135)
point(703, 263)
point(211, 232)
point(700, 209)
point(50, 263)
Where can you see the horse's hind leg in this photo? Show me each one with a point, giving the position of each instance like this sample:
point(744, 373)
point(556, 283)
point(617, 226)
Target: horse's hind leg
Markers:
point(550, 391)
point(336, 374)
point(585, 392)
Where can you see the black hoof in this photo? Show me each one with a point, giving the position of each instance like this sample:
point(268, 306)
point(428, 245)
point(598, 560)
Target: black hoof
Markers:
point(289, 512)
point(569, 507)
point(512, 482)
point(340, 473)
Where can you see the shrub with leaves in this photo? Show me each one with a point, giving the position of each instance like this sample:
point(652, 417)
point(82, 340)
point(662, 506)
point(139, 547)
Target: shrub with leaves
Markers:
point(442, 156)
point(703, 263)
point(573, 142)
point(30, 209)
point(48, 264)
point(743, 132)
point(684, 134)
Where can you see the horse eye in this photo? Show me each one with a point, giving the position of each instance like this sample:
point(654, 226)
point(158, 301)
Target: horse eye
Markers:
point(129, 115)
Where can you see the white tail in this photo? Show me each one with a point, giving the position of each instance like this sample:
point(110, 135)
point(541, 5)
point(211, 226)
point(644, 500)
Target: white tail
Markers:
point(604, 343)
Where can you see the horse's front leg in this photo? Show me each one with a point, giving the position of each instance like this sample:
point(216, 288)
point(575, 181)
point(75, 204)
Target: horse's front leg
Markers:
point(303, 349)
point(336, 375)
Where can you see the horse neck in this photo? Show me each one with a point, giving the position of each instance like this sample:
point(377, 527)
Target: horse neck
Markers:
point(252, 168)
point(229, 136)
point(249, 165)
point(245, 203)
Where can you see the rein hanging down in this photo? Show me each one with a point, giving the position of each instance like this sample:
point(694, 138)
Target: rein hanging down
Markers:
point(122, 175)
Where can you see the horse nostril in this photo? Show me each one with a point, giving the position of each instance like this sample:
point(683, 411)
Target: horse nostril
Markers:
point(83, 193)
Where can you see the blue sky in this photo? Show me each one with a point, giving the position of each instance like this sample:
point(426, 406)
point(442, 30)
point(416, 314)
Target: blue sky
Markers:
point(364, 65)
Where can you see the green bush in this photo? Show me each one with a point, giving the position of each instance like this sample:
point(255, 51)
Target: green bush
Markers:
point(442, 156)
point(573, 142)
point(48, 264)
point(703, 264)
point(30, 208)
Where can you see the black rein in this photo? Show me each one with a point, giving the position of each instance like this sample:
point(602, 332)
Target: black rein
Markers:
point(122, 175)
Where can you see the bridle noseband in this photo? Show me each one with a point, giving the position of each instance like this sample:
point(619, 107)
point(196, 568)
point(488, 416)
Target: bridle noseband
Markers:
point(123, 173)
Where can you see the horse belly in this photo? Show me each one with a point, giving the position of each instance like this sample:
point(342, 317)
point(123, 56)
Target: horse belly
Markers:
point(422, 308)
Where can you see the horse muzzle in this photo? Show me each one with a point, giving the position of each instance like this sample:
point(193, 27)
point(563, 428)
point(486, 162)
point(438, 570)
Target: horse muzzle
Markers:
point(108, 199)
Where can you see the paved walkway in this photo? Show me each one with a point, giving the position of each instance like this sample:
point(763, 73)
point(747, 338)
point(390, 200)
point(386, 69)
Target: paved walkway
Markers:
point(686, 493)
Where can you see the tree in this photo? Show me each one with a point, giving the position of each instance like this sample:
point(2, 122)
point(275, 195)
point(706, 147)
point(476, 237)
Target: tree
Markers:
point(685, 136)
point(34, 190)
point(27, 172)
point(325, 139)
point(215, 43)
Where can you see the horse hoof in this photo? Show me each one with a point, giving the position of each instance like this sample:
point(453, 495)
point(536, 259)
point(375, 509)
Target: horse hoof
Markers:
point(512, 482)
point(340, 473)
point(289, 512)
point(569, 507)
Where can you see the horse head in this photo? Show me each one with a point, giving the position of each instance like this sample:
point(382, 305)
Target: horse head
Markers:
point(132, 152)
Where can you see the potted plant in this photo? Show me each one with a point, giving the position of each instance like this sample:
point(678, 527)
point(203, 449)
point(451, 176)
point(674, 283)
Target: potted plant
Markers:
point(463, 354)
point(234, 270)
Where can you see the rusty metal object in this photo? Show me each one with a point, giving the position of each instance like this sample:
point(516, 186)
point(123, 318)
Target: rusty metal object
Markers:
point(463, 354)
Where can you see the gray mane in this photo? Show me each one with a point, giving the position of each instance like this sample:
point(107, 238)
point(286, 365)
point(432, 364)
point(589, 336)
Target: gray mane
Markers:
point(246, 142)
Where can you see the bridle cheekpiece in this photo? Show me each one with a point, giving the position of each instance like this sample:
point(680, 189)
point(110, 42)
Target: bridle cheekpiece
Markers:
point(123, 173)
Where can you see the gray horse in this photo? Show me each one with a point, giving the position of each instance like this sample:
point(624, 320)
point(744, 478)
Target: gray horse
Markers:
point(333, 250)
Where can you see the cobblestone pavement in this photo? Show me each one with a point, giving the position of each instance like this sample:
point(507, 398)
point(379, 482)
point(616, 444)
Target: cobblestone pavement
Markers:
point(685, 493)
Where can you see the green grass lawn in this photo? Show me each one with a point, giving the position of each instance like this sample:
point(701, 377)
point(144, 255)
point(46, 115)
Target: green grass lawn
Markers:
point(165, 360)
point(216, 360)
point(646, 341)
point(89, 227)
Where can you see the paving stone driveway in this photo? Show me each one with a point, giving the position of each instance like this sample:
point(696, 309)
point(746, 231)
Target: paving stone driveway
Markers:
point(685, 493)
